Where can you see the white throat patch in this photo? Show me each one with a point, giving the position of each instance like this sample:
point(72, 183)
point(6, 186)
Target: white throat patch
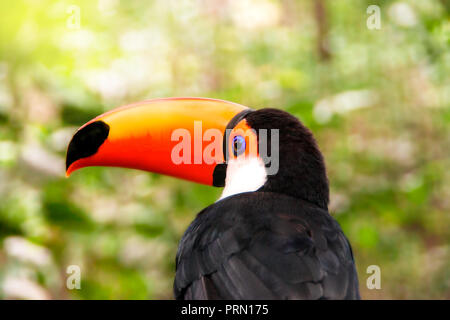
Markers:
point(244, 174)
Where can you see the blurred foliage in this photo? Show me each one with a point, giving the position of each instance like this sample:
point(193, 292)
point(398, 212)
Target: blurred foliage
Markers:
point(377, 100)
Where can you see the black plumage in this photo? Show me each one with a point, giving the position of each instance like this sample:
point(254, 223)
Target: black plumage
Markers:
point(264, 245)
point(279, 242)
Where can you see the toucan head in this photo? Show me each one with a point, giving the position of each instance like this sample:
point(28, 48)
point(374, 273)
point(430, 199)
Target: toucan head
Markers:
point(209, 141)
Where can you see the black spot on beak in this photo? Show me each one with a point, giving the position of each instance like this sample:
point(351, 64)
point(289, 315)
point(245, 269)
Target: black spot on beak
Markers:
point(86, 141)
point(219, 175)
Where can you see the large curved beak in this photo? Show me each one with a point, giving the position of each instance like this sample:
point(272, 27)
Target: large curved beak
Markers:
point(180, 137)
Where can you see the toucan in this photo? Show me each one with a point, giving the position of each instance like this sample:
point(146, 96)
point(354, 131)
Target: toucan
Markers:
point(270, 235)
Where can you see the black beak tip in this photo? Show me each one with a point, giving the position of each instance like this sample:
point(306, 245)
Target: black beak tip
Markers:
point(86, 141)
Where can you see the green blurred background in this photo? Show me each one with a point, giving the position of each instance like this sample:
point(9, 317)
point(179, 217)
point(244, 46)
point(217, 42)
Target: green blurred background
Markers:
point(378, 102)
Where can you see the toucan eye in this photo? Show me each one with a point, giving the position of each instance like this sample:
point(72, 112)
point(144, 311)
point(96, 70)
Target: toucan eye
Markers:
point(238, 145)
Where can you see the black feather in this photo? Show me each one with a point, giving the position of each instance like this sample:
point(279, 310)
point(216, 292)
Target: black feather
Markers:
point(264, 245)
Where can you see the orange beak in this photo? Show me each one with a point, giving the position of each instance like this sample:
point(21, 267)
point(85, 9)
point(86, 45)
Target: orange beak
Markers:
point(168, 136)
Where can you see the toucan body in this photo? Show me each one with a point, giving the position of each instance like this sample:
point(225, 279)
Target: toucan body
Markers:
point(270, 235)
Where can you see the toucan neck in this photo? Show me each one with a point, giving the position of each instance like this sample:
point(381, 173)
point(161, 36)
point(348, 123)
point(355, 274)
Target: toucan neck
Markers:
point(303, 178)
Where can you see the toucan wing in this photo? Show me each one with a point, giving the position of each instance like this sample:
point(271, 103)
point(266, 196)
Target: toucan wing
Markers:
point(264, 245)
